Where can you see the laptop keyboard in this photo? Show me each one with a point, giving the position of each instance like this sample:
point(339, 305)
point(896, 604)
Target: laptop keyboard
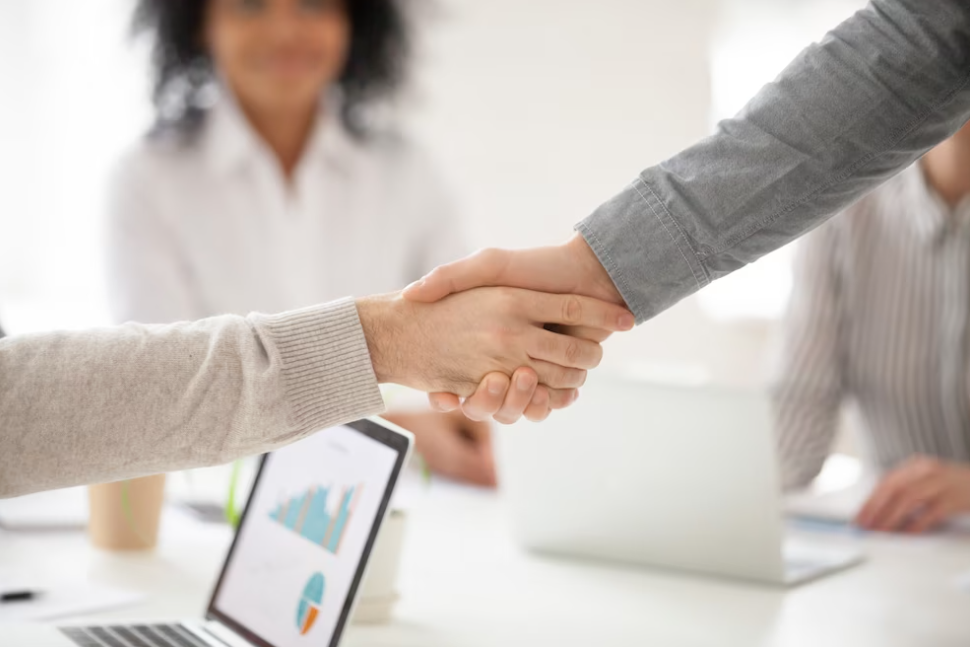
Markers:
point(133, 636)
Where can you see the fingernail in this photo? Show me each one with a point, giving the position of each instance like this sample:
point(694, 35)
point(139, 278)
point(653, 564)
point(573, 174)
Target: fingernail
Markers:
point(625, 321)
point(495, 387)
point(525, 383)
point(414, 286)
point(575, 395)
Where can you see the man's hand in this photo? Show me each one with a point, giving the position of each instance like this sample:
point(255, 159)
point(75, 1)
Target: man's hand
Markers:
point(506, 400)
point(570, 268)
point(919, 495)
point(452, 445)
point(451, 345)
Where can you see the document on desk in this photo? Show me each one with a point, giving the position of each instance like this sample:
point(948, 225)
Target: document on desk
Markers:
point(835, 511)
point(64, 600)
point(838, 506)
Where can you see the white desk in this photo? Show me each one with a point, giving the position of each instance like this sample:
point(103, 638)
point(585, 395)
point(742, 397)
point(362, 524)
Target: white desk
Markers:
point(465, 583)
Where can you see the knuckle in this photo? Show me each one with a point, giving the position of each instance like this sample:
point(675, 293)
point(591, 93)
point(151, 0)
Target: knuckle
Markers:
point(489, 255)
point(504, 335)
point(573, 351)
point(558, 377)
point(572, 310)
point(569, 378)
point(491, 260)
point(542, 349)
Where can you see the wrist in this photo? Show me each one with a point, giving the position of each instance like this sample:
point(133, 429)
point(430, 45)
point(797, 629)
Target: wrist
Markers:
point(600, 284)
point(380, 317)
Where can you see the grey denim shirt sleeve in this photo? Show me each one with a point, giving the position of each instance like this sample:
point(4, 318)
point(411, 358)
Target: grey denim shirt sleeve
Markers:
point(847, 114)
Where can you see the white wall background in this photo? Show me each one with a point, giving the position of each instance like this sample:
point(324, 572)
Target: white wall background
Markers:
point(543, 109)
point(72, 96)
point(540, 110)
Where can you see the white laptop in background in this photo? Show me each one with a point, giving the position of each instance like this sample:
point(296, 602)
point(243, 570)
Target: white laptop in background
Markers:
point(680, 477)
point(295, 567)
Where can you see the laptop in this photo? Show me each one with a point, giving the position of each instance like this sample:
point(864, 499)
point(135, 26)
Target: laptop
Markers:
point(295, 567)
point(675, 476)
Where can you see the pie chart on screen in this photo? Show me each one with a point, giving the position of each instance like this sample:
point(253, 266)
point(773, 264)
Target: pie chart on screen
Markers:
point(309, 609)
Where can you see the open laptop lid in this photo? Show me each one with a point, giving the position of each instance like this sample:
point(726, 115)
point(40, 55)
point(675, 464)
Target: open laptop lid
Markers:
point(298, 558)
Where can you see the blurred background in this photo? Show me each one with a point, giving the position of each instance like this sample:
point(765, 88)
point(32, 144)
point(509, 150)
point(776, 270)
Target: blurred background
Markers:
point(538, 111)
point(533, 112)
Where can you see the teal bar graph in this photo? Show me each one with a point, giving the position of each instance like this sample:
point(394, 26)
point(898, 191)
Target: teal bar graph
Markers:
point(309, 515)
point(340, 522)
point(293, 513)
point(317, 519)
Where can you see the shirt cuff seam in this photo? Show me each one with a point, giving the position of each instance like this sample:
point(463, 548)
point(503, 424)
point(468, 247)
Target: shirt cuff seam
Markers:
point(606, 259)
point(678, 236)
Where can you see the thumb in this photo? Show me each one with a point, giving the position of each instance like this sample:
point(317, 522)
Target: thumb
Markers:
point(483, 268)
point(444, 402)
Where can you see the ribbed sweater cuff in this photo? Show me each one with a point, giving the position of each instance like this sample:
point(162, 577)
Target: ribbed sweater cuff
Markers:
point(326, 366)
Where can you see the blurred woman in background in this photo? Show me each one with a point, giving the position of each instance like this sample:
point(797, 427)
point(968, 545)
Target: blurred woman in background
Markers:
point(881, 314)
point(265, 184)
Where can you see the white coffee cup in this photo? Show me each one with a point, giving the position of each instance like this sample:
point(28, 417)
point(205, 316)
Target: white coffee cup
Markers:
point(379, 593)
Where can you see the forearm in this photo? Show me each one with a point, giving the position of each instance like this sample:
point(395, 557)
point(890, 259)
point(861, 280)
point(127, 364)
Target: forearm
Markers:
point(846, 115)
point(805, 427)
point(122, 402)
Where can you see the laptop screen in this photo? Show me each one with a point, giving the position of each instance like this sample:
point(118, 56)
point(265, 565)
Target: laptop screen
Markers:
point(308, 528)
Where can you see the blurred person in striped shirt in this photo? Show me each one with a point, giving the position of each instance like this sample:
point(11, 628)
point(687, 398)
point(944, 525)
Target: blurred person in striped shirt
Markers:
point(880, 318)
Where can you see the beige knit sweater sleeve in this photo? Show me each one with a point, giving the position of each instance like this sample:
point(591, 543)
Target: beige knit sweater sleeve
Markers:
point(110, 404)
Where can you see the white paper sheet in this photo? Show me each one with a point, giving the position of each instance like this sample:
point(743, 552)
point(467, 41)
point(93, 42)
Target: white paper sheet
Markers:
point(840, 506)
point(65, 509)
point(79, 598)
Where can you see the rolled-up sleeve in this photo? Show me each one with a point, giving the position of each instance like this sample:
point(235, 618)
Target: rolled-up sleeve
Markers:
point(847, 114)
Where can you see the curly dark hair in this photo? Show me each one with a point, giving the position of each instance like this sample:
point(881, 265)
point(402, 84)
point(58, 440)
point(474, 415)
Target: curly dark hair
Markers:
point(183, 71)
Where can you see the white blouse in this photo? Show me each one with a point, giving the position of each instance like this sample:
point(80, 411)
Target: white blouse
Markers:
point(212, 226)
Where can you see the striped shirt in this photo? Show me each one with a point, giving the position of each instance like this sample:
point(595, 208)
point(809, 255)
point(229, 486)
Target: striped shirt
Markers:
point(879, 317)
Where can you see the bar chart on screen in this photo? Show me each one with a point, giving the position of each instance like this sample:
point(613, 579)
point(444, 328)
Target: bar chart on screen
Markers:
point(320, 515)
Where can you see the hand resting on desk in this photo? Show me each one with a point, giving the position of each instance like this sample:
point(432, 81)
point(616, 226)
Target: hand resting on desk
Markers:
point(917, 496)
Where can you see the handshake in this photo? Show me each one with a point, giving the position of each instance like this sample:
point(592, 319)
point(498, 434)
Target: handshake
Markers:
point(511, 332)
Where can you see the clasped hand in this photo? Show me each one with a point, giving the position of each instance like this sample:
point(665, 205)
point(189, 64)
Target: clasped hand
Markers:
point(571, 304)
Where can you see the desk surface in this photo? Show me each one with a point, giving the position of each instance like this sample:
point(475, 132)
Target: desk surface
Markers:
point(465, 583)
